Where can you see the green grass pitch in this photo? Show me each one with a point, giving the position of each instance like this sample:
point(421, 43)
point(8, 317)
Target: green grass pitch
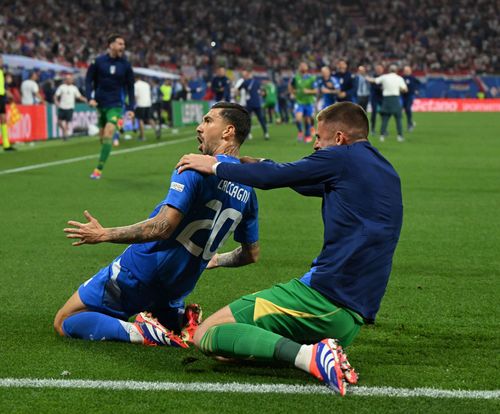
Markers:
point(439, 321)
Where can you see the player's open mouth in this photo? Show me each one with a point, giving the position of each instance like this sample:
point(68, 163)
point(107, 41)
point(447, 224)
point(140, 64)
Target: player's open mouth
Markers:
point(200, 140)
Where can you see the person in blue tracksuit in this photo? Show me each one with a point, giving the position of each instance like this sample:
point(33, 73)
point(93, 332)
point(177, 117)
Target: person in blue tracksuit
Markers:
point(413, 85)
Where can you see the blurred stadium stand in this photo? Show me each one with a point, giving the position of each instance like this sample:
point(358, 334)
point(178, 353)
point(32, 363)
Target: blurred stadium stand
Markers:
point(444, 36)
point(448, 43)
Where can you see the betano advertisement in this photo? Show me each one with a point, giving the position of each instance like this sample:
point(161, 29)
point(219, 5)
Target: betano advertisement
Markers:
point(456, 105)
point(39, 122)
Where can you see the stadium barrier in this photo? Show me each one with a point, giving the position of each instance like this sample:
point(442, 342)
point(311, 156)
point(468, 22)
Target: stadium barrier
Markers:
point(27, 122)
point(188, 112)
point(83, 116)
point(456, 105)
point(39, 122)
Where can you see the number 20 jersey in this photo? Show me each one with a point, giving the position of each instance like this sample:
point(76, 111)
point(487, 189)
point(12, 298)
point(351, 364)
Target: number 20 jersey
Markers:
point(213, 209)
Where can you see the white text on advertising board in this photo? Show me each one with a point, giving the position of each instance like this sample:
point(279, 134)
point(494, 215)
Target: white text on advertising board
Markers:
point(191, 113)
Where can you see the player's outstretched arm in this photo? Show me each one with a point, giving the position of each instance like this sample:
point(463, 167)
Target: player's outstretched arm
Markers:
point(241, 256)
point(159, 227)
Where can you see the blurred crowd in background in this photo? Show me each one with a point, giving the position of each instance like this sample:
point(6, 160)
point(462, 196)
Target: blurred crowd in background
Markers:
point(429, 35)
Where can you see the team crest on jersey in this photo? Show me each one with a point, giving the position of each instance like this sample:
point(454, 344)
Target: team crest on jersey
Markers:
point(177, 186)
point(112, 69)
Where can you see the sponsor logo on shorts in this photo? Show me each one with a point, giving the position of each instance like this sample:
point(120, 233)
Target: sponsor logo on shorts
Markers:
point(177, 186)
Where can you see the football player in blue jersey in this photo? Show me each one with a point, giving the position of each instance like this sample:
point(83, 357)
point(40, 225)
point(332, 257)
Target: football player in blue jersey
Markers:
point(306, 321)
point(252, 87)
point(328, 86)
point(168, 251)
point(413, 85)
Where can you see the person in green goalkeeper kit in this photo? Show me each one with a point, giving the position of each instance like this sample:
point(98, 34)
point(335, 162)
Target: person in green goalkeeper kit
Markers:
point(107, 78)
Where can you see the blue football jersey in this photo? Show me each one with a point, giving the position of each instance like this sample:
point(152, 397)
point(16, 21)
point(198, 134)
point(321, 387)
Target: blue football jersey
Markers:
point(213, 209)
point(331, 83)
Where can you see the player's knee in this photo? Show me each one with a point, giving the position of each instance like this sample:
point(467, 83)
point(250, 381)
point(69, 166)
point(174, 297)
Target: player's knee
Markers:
point(222, 316)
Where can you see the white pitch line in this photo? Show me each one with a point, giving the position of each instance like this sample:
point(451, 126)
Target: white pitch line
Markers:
point(89, 157)
point(234, 387)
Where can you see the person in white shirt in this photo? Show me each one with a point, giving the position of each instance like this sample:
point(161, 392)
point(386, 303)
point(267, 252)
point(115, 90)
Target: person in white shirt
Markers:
point(65, 98)
point(30, 92)
point(392, 86)
point(143, 106)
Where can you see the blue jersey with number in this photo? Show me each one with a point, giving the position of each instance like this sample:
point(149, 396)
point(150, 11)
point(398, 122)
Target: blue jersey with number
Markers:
point(213, 208)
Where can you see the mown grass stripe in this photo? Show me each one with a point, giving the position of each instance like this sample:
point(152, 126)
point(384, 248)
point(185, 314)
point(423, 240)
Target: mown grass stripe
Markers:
point(93, 156)
point(235, 387)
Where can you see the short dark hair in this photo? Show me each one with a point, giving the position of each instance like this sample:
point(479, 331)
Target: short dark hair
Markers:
point(113, 37)
point(352, 116)
point(237, 116)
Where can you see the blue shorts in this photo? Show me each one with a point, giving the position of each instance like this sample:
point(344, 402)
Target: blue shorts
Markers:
point(115, 291)
point(304, 109)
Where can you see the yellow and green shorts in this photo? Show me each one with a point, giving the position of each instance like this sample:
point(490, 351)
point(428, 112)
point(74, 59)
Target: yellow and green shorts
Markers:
point(298, 312)
point(109, 115)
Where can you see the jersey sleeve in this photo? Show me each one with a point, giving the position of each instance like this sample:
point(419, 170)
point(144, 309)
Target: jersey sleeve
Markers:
point(247, 231)
point(90, 80)
point(183, 190)
point(323, 166)
point(58, 91)
point(315, 190)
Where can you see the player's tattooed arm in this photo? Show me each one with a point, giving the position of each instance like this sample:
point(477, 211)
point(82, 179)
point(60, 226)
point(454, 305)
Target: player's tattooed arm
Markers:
point(241, 256)
point(159, 227)
point(155, 228)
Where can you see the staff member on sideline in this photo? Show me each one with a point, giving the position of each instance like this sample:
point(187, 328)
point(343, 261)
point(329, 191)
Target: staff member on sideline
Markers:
point(64, 98)
point(30, 91)
point(392, 86)
point(143, 109)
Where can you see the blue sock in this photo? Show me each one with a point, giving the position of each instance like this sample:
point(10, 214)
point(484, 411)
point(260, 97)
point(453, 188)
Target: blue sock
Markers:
point(299, 125)
point(308, 129)
point(94, 326)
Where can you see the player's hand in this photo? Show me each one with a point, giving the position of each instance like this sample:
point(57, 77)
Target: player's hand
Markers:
point(130, 115)
point(213, 263)
point(93, 103)
point(88, 233)
point(201, 163)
